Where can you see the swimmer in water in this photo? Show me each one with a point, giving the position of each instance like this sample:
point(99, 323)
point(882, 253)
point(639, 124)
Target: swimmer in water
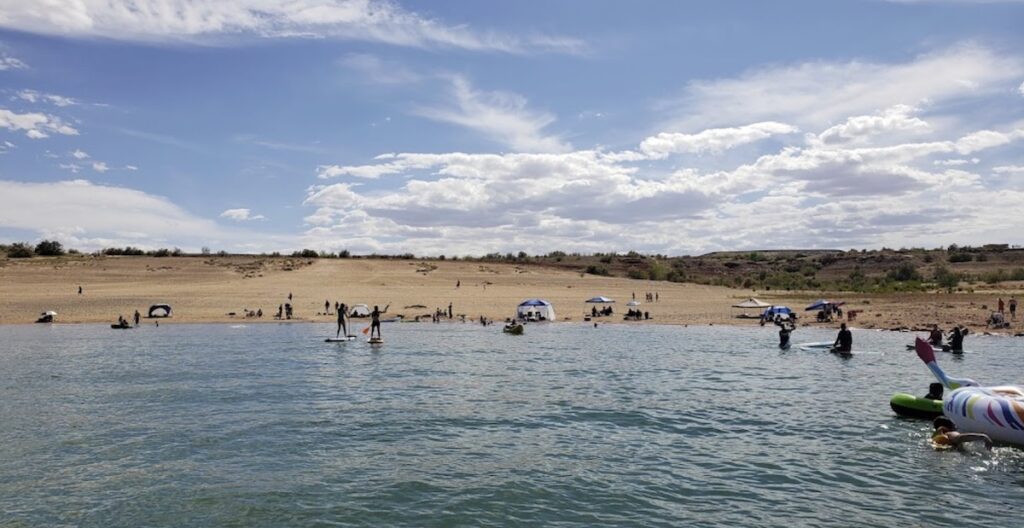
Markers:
point(946, 435)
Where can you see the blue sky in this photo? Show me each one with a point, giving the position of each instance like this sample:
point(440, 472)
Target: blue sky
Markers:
point(468, 127)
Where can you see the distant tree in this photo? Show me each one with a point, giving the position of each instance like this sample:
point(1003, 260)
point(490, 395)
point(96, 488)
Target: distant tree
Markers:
point(49, 248)
point(344, 254)
point(20, 250)
point(905, 273)
point(177, 252)
point(946, 279)
point(205, 250)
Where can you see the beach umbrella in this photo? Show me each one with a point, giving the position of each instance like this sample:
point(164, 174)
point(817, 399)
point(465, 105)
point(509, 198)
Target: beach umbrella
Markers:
point(775, 310)
point(633, 303)
point(600, 299)
point(535, 302)
point(751, 303)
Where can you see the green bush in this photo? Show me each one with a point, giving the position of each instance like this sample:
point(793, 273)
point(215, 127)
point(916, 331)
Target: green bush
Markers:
point(946, 279)
point(20, 250)
point(960, 257)
point(904, 273)
point(597, 270)
point(49, 248)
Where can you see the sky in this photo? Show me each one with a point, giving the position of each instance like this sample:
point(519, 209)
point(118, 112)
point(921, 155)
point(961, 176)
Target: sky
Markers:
point(466, 127)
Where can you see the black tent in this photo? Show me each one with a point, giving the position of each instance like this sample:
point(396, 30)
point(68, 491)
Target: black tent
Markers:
point(165, 308)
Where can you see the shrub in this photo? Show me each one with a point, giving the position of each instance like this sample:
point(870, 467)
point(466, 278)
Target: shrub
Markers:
point(960, 257)
point(20, 250)
point(946, 279)
point(904, 273)
point(49, 248)
point(306, 253)
point(597, 270)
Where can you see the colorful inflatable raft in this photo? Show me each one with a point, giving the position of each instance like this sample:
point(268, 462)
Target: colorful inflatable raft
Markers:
point(995, 411)
point(910, 406)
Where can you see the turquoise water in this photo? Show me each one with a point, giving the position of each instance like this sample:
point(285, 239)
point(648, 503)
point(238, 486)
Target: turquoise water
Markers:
point(458, 425)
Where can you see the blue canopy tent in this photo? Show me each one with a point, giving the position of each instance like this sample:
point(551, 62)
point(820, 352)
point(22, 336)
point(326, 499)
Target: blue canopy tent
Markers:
point(600, 299)
point(777, 310)
point(822, 304)
point(535, 310)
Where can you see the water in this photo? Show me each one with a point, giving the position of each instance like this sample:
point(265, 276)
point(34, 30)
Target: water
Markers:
point(457, 425)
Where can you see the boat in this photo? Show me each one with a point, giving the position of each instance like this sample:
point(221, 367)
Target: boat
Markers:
point(121, 327)
point(996, 411)
point(910, 406)
point(513, 328)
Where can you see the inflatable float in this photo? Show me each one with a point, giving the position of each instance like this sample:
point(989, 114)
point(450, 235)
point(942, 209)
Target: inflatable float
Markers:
point(996, 411)
point(514, 329)
point(910, 406)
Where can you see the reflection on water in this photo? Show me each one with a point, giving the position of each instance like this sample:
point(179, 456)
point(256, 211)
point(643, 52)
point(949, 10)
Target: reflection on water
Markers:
point(267, 425)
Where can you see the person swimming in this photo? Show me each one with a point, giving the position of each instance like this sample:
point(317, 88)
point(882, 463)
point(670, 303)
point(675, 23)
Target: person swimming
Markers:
point(844, 341)
point(946, 435)
point(956, 339)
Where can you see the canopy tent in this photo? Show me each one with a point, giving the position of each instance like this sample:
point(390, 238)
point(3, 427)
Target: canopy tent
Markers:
point(777, 310)
point(751, 303)
point(822, 304)
point(51, 313)
point(359, 310)
point(600, 299)
point(536, 309)
point(164, 309)
point(633, 303)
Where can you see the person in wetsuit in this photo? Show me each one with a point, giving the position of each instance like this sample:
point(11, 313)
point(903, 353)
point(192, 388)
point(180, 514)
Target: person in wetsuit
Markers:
point(342, 310)
point(844, 341)
point(784, 336)
point(935, 337)
point(934, 392)
point(375, 322)
point(956, 340)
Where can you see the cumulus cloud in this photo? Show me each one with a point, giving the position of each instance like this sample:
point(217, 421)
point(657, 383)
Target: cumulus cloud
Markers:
point(1020, 89)
point(33, 96)
point(188, 21)
point(502, 116)
point(240, 215)
point(79, 154)
point(100, 166)
point(35, 125)
point(818, 94)
point(714, 140)
point(860, 129)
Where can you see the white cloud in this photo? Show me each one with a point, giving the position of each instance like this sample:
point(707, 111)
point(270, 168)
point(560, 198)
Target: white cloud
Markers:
point(73, 167)
point(502, 116)
point(90, 216)
point(33, 96)
point(1020, 89)
point(817, 94)
point(240, 215)
point(130, 168)
point(8, 62)
point(35, 125)
point(860, 129)
point(713, 140)
point(189, 21)
point(100, 166)
point(956, 162)
point(1009, 169)
point(79, 154)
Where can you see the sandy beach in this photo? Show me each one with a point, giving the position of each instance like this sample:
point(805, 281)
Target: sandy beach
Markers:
point(209, 289)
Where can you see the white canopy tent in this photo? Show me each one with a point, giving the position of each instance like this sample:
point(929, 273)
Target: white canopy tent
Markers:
point(751, 303)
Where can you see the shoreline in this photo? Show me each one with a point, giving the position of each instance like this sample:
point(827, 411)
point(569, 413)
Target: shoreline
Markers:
point(205, 290)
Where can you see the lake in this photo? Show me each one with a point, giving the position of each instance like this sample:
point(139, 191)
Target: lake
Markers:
point(460, 425)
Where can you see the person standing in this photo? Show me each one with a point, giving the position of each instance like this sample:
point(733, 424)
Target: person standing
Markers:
point(1013, 308)
point(79, 289)
point(451, 314)
point(327, 307)
point(844, 341)
point(342, 309)
point(138, 317)
point(375, 322)
point(1001, 305)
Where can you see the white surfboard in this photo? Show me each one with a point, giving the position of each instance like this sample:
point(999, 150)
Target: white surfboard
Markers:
point(375, 341)
point(339, 339)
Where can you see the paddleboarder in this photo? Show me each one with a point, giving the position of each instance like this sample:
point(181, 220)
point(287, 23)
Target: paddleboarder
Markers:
point(844, 341)
point(342, 310)
point(375, 322)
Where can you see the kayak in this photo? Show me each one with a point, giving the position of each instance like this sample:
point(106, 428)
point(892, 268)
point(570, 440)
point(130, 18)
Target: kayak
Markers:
point(910, 406)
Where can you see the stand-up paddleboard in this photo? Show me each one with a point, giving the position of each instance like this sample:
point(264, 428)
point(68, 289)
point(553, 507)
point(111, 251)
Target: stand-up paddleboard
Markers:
point(823, 346)
point(944, 348)
point(340, 339)
point(375, 341)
